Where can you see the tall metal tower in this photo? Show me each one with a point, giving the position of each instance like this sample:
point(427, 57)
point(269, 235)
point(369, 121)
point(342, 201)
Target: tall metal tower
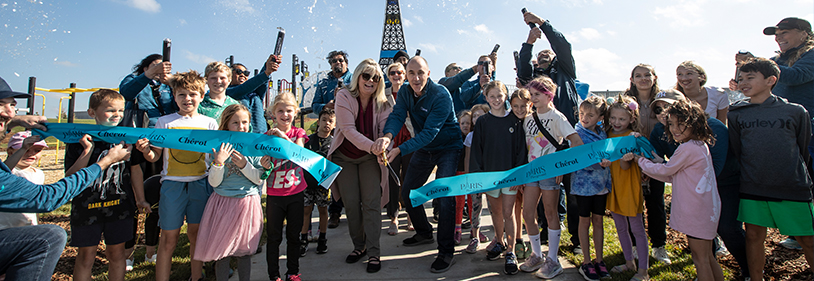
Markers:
point(392, 34)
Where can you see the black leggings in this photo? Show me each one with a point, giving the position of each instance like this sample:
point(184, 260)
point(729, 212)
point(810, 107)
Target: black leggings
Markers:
point(288, 208)
point(399, 165)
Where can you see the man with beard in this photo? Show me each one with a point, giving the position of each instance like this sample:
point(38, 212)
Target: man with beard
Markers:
point(31, 252)
point(324, 97)
point(250, 92)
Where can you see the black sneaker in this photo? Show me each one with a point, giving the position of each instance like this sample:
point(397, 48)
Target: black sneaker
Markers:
point(588, 271)
point(495, 252)
point(442, 263)
point(511, 264)
point(333, 220)
point(417, 240)
point(322, 246)
point(303, 247)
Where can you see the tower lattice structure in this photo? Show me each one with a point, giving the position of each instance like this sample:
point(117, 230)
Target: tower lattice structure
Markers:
point(392, 34)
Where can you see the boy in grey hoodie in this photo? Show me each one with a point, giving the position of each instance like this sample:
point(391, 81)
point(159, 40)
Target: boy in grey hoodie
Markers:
point(770, 136)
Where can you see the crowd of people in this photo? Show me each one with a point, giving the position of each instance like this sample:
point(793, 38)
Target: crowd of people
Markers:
point(730, 163)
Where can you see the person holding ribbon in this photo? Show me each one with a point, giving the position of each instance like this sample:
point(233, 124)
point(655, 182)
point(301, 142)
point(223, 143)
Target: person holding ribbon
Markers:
point(437, 143)
point(361, 113)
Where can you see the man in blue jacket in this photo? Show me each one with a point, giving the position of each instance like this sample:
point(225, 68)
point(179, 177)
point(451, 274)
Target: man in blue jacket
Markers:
point(466, 93)
point(32, 252)
point(326, 87)
point(437, 142)
point(251, 92)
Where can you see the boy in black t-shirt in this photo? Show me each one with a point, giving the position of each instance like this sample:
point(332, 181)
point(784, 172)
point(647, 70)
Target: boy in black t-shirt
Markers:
point(319, 142)
point(109, 205)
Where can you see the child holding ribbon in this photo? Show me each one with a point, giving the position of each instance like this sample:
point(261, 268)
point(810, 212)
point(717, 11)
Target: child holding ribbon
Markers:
point(545, 132)
point(233, 218)
point(521, 107)
point(625, 200)
point(696, 204)
point(591, 187)
point(285, 185)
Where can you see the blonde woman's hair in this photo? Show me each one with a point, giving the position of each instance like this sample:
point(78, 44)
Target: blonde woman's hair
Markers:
point(369, 66)
point(227, 114)
point(692, 66)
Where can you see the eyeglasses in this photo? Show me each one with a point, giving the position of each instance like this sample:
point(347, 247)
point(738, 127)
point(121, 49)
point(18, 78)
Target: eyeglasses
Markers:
point(659, 109)
point(367, 76)
point(244, 72)
point(394, 72)
point(333, 61)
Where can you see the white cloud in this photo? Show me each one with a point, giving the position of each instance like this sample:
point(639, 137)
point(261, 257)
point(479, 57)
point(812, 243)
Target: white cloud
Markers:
point(590, 33)
point(482, 29)
point(600, 67)
point(429, 47)
point(418, 19)
point(150, 6)
point(686, 13)
point(462, 32)
point(65, 63)
point(201, 59)
point(238, 6)
point(611, 32)
point(406, 23)
point(182, 21)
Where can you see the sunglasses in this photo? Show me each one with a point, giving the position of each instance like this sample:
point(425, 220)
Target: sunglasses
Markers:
point(396, 72)
point(659, 109)
point(332, 61)
point(244, 72)
point(367, 76)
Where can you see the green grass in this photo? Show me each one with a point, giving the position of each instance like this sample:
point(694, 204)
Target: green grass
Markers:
point(681, 268)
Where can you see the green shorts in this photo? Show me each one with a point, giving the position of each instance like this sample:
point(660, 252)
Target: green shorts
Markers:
point(790, 217)
point(495, 193)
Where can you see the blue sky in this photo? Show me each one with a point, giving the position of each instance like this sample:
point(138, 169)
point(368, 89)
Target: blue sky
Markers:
point(95, 43)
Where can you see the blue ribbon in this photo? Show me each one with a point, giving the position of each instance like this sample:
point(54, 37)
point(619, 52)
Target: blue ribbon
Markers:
point(204, 141)
point(544, 167)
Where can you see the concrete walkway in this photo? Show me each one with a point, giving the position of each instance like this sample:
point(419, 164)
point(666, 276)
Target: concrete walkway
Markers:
point(399, 262)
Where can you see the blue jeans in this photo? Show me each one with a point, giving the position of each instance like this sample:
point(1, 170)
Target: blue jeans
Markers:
point(31, 252)
point(419, 171)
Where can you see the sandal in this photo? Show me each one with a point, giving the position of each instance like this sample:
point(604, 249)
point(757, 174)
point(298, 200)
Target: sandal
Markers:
point(620, 268)
point(355, 256)
point(374, 264)
point(638, 277)
point(394, 229)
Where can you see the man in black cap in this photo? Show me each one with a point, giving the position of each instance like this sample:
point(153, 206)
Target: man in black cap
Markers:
point(31, 252)
point(401, 57)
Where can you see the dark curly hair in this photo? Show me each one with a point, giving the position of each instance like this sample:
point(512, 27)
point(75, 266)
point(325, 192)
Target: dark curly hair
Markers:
point(691, 115)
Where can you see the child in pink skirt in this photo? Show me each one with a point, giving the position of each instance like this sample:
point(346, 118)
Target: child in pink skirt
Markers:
point(233, 218)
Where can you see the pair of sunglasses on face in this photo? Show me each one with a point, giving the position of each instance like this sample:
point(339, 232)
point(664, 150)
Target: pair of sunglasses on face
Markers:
point(368, 76)
point(333, 61)
point(238, 71)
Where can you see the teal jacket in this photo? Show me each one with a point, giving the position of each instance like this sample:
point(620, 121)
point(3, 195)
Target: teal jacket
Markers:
point(18, 195)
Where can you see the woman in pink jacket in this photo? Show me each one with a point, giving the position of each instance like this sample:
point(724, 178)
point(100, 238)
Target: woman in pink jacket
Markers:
point(361, 111)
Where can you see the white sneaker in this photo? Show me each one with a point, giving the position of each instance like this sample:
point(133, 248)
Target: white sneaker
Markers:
point(128, 265)
point(660, 254)
point(550, 269)
point(150, 259)
point(532, 263)
point(635, 253)
point(791, 244)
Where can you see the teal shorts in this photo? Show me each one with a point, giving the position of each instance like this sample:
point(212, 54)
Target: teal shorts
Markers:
point(180, 200)
point(790, 217)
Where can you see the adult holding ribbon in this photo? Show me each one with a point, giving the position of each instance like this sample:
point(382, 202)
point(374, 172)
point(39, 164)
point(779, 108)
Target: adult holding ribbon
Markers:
point(32, 252)
point(361, 113)
point(437, 143)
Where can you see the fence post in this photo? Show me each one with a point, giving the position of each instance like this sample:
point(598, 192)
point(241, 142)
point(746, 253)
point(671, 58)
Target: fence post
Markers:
point(71, 103)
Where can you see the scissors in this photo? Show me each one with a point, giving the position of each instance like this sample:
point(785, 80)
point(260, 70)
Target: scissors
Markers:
point(390, 168)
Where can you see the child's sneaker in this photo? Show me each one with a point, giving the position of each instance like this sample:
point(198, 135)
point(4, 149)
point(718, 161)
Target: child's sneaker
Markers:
point(293, 277)
point(303, 248)
point(473, 246)
point(128, 264)
point(660, 254)
point(520, 250)
point(549, 270)
point(602, 270)
point(588, 271)
point(457, 236)
point(532, 263)
point(495, 252)
point(150, 259)
point(483, 238)
point(511, 264)
point(322, 246)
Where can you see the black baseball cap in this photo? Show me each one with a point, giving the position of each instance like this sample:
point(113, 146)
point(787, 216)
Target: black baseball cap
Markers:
point(6, 92)
point(401, 53)
point(789, 23)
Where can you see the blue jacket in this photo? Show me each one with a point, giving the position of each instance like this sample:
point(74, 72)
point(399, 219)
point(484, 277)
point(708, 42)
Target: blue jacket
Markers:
point(718, 151)
point(796, 83)
point(326, 88)
point(18, 195)
point(562, 70)
point(136, 89)
point(464, 92)
point(436, 127)
point(251, 94)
